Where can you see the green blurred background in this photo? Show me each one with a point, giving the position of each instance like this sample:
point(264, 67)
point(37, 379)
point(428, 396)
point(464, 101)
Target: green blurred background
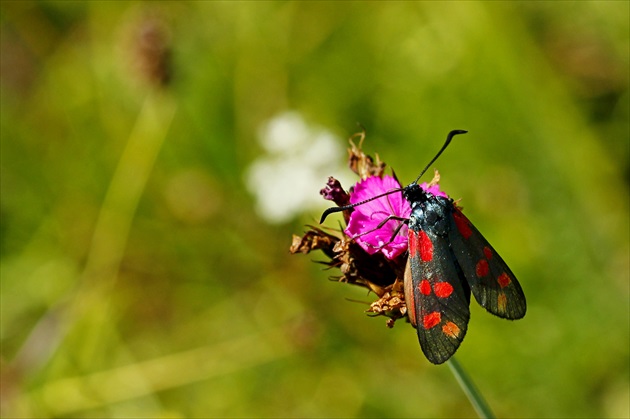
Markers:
point(138, 278)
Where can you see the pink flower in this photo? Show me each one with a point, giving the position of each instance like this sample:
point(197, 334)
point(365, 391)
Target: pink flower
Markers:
point(433, 189)
point(365, 218)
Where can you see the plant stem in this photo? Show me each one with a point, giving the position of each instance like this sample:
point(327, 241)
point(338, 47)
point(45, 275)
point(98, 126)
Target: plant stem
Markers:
point(475, 397)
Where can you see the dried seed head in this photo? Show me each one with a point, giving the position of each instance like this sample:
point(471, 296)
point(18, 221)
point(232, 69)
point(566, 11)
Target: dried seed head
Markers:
point(147, 48)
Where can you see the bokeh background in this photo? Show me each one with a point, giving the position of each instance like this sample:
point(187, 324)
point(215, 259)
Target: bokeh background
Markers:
point(157, 157)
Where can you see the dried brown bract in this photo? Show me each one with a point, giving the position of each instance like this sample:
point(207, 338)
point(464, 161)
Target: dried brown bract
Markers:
point(391, 304)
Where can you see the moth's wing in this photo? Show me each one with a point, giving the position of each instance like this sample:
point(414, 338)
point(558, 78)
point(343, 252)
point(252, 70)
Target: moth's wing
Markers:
point(492, 282)
point(436, 294)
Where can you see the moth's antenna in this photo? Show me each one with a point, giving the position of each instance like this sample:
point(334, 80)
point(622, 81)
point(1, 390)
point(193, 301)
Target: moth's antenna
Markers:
point(345, 207)
point(449, 137)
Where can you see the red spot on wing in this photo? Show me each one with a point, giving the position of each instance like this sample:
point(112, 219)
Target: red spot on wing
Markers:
point(462, 224)
point(426, 247)
point(504, 280)
point(482, 268)
point(443, 289)
point(413, 243)
point(425, 287)
point(450, 329)
point(487, 252)
point(431, 320)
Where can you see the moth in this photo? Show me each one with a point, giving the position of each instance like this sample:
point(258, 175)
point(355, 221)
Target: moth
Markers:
point(448, 259)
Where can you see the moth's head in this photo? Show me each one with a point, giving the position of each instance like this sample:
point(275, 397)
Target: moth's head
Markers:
point(424, 191)
point(414, 193)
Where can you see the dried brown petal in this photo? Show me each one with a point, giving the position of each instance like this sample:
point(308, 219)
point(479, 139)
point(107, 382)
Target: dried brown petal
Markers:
point(362, 164)
point(314, 239)
point(436, 178)
point(391, 304)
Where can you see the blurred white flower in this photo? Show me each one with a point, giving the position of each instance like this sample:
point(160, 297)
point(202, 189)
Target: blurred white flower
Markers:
point(299, 158)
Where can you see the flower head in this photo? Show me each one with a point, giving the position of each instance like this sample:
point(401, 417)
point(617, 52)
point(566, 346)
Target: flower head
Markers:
point(364, 226)
point(371, 250)
point(297, 155)
point(365, 221)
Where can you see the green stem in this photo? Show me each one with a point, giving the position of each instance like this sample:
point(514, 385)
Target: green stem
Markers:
point(475, 397)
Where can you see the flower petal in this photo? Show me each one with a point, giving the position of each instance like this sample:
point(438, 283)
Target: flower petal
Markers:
point(365, 219)
point(433, 190)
